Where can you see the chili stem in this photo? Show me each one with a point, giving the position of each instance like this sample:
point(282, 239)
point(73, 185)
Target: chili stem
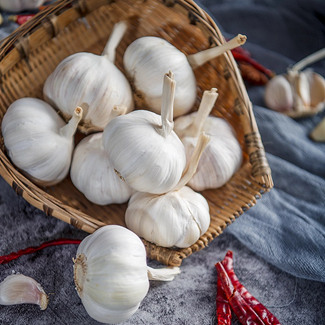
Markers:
point(12, 256)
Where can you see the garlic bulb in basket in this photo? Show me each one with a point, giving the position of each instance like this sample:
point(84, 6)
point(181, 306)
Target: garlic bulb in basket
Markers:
point(92, 82)
point(177, 218)
point(38, 141)
point(92, 174)
point(20, 289)
point(20, 5)
point(111, 274)
point(147, 58)
point(223, 155)
point(143, 148)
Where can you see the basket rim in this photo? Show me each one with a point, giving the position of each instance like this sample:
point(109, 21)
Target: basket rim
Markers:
point(48, 22)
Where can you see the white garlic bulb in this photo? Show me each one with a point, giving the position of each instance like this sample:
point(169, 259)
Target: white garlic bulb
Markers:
point(147, 58)
point(297, 92)
point(92, 174)
point(20, 5)
point(143, 148)
point(177, 218)
point(92, 82)
point(223, 155)
point(20, 289)
point(111, 274)
point(38, 141)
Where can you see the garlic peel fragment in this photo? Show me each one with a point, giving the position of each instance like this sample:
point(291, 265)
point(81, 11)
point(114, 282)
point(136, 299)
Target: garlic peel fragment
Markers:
point(20, 289)
point(165, 274)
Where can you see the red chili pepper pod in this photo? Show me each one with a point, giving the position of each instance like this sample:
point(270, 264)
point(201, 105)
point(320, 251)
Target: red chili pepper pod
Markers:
point(223, 310)
point(244, 312)
point(20, 19)
point(267, 317)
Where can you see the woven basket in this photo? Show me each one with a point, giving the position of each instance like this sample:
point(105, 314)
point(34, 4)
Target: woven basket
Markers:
point(33, 51)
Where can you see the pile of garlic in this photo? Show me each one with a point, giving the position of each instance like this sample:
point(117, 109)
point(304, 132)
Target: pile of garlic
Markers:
point(137, 156)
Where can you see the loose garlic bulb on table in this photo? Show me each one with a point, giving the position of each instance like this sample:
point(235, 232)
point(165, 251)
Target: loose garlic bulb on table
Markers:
point(20, 289)
point(20, 5)
point(177, 218)
point(297, 92)
point(38, 141)
point(92, 82)
point(111, 274)
point(92, 174)
point(223, 155)
point(147, 58)
point(143, 148)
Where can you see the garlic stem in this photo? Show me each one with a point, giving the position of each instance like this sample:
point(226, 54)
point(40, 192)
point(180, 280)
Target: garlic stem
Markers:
point(114, 40)
point(309, 60)
point(20, 289)
point(202, 57)
point(201, 144)
point(167, 105)
point(164, 274)
point(207, 102)
point(118, 110)
point(70, 128)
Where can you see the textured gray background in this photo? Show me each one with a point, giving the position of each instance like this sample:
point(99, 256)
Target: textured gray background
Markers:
point(190, 298)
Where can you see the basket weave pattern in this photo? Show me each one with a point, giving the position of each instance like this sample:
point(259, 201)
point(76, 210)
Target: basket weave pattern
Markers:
point(32, 52)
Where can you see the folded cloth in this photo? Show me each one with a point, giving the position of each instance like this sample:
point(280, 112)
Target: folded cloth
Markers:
point(287, 226)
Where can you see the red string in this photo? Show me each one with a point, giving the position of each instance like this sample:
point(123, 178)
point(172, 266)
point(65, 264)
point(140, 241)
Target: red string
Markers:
point(12, 256)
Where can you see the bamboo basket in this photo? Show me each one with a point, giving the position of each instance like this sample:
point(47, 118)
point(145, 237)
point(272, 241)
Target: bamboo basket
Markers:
point(33, 51)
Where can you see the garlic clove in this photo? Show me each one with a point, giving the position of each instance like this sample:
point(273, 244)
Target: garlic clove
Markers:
point(318, 133)
point(165, 274)
point(278, 94)
point(20, 289)
point(317, 89)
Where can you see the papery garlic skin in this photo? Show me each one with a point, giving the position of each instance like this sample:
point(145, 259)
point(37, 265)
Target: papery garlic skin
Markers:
point(147, 59)
point(145, 159)
point(92, 82)
point(37, 139)
point(20, 5)
point(177, 218)
point(20, 289)
point(92, 174)
point(110, 274)
point(222, 156)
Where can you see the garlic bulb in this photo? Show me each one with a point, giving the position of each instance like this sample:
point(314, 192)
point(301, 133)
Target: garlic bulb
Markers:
point(111, 274)
point(20, 5)
point(297, 92)
point(38, 141)
point(177, 218)
point(143, 148)
point(20, 289)
point(223, 155)
point(92, 82)
point(92, 174)
point(147, 58)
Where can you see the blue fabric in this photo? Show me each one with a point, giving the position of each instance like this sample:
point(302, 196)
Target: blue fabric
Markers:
point(287, 226)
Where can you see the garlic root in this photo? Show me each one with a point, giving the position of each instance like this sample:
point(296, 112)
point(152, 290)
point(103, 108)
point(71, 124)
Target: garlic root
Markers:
point(20, 289)
point(198, 59)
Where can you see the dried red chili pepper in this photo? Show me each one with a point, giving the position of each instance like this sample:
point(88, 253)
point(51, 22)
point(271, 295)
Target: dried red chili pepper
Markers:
point(267, 317)
point(244, 312)
point(20, 19)
point(223, 310)
point(7, 258)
